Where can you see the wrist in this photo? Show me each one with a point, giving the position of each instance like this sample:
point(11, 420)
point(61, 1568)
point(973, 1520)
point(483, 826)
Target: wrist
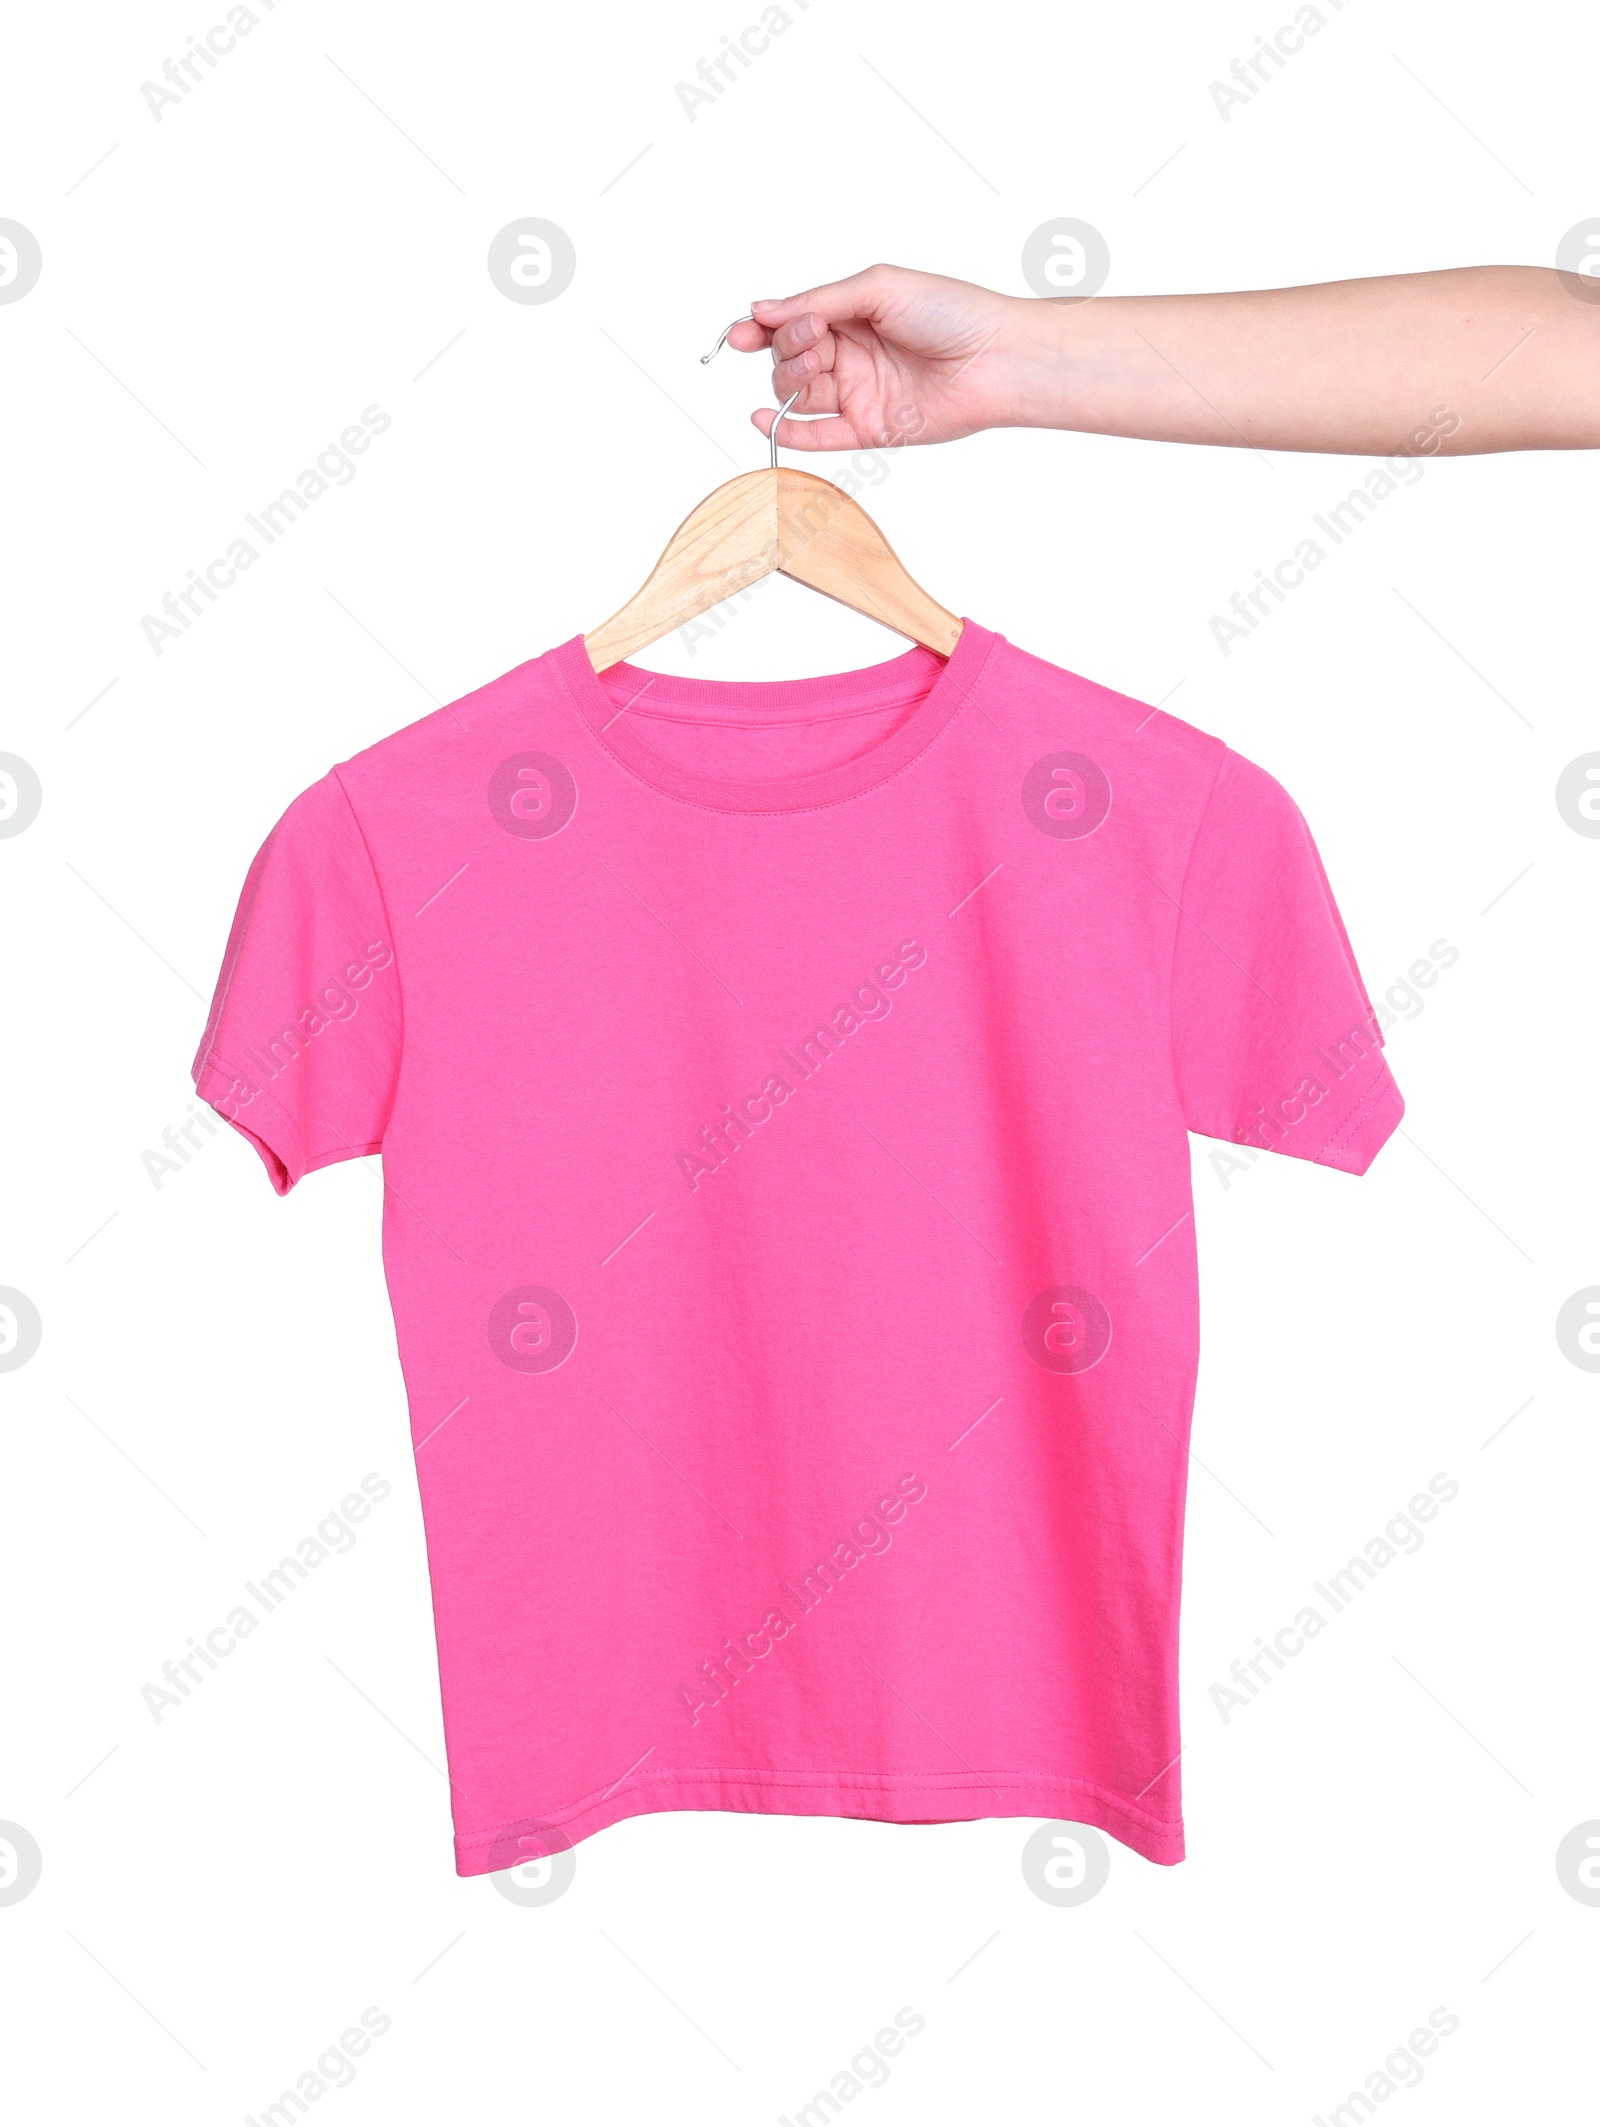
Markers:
point(1039, 338)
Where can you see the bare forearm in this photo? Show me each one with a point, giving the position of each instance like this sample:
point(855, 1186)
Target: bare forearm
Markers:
point(1348, 366)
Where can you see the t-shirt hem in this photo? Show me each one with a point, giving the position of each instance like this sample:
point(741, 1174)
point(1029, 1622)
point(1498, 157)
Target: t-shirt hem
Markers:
point(1367, 1128)
point(953, 1799)
point(285, 1164)
point(281, 1158)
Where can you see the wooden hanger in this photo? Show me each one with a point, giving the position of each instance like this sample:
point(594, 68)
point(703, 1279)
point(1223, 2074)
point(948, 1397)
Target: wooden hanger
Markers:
point(773, 520)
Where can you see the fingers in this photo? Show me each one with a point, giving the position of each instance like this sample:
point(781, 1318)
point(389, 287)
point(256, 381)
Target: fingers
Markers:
point(862, 295)
point(798, 335)
point(792, 337)
point(803, 351)
point(796, 327)
point(837, 434)
point(802, 354)
point(819, 390)
point(747, 338)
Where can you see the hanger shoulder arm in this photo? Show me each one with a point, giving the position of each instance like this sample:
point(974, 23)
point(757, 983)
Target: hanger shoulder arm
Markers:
point(726, 543)
point(827, 541)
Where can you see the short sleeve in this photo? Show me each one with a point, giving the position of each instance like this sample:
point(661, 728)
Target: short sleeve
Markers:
point(302, 1048)
point(1275, 1043)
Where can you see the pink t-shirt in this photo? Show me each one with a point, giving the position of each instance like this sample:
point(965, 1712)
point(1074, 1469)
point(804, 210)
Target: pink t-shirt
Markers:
point(783, 1095)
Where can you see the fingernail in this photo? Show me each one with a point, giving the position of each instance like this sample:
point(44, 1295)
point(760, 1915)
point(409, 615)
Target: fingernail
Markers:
point(767, 302)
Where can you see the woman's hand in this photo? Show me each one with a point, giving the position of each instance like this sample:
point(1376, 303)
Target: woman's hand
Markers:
point(891, 355)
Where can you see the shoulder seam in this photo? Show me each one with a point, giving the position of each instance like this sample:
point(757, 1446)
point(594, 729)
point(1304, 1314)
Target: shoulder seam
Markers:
point(394, 937)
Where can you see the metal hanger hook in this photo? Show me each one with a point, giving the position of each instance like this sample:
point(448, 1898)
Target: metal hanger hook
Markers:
point(782, 410)
point(745, 320)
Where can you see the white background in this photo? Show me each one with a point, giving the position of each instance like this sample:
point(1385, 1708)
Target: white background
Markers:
point(304, 235)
